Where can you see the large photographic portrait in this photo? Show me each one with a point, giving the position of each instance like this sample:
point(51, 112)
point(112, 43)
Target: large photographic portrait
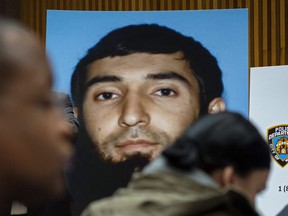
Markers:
point(166, 103)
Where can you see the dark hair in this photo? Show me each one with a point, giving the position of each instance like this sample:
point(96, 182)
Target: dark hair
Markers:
point(219, 140)
point(153, 39)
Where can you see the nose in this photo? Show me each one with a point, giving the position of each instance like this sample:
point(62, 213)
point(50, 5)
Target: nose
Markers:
point(133, 112)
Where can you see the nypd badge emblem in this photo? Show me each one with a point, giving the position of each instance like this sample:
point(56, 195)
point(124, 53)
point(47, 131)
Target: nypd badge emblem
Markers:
point(277, 137)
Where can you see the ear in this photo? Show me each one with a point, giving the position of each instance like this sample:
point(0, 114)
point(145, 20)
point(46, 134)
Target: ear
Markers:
point(216, 105)
point(227, 176)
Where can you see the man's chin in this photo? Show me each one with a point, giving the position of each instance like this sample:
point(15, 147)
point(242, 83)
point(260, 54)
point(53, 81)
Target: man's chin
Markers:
point(139, 159)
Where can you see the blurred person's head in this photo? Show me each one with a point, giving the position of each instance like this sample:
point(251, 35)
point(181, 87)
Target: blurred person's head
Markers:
point(34, 138)
point(228, 148)
point(141, 86)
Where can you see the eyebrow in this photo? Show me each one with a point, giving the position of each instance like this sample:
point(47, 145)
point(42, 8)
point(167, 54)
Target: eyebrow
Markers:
point(169, 75)
point(103, 79)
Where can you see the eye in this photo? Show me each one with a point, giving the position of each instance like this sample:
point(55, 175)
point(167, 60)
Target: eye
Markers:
point(165, 92)
point(106, 96)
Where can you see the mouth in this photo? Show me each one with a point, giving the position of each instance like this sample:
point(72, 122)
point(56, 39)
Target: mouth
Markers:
point(136, 145)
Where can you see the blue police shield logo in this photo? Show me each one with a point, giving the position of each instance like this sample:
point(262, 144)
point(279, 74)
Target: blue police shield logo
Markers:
point(277, 138)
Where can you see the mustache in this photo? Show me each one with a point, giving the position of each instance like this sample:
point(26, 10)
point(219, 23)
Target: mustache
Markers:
point(149, 135)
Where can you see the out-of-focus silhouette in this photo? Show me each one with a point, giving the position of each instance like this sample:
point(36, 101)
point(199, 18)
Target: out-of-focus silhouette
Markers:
point(35, 139)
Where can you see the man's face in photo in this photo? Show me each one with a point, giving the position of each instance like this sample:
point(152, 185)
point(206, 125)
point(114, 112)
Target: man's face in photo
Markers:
point(139, 103)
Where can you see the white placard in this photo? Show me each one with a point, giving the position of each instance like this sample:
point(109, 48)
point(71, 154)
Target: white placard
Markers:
point(268, 108)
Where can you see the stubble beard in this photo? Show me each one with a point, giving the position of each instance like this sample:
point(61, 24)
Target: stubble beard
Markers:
point(107, 150)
